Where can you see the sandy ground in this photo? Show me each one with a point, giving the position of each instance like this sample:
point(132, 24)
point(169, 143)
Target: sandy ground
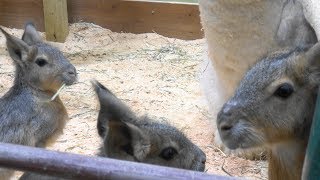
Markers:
point(153, 74)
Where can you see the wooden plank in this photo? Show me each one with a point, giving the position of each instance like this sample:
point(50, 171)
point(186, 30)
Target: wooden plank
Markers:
point(15, 13)
point(176, 20)
point(56, 20)
point(311, 167)
point(74, 166)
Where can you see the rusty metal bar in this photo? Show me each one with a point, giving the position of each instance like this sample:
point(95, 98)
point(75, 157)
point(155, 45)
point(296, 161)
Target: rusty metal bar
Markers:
point(75, 166)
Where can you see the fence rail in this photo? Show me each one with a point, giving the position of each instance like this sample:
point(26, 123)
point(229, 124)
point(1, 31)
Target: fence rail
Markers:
point(73, 166)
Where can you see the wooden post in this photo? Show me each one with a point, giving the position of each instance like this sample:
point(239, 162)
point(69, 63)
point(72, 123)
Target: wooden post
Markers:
point(73, 166)
point(56, 20)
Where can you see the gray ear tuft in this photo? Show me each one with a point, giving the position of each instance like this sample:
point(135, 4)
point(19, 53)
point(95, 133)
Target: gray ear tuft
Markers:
point(111, 108)
point(30, 35)
point(116, 127)
point(101, 89)
point(126, 137)
point(313, 55)
point(294, 29)
point(17, 48)
point(312, 64)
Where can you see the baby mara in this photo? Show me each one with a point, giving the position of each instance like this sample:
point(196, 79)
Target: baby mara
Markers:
point(127, 136)
point(28, 115)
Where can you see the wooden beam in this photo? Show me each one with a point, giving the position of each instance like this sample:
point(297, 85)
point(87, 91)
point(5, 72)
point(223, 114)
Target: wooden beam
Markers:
point(175, 20)
point(15, 13)
point(74, 166)
point(56, 20)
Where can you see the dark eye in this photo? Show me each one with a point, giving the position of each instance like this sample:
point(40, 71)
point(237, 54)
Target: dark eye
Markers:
point(128, 149)
point(41, 62)
point(284, 91)
point(168, 153)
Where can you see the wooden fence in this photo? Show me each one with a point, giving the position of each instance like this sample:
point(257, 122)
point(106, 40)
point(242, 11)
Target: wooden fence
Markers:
point(177, 20)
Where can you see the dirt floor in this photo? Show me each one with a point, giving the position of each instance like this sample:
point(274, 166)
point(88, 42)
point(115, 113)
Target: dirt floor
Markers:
point(153, 74)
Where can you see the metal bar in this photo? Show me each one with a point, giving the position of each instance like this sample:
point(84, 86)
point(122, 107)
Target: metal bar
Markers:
point(67, 165)
point(311, 167)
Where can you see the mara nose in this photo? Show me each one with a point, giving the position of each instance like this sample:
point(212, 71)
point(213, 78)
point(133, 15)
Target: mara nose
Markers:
point(226, 118)
point(203, 161)
point(72, 71)
point(202, 157)
point(225, 127)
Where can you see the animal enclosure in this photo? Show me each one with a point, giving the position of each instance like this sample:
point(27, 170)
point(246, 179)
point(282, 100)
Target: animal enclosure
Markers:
point(153, 73)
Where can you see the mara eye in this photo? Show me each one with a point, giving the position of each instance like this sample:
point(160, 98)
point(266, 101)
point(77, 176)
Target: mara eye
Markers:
point(41, 62)
point(284, 90)
point(168, 153)
point(128, 149)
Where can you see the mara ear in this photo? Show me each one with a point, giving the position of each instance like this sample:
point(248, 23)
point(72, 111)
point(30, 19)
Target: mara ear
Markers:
point(111, 108)
point(116, 127)
point(31, 35)
point(294, 29)
point(313, 54)
point(312, 57)
point(19, 51)
point(128, 138)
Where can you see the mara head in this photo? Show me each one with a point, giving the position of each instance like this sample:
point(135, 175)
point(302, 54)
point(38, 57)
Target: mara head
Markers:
point(274, 102)
point(128, 137)
point(38, 64)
